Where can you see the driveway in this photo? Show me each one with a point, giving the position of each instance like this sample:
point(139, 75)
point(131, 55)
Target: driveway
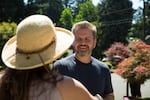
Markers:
point(119, 85)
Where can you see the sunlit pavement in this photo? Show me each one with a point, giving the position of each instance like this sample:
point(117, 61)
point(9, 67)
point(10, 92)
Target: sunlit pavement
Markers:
point(119, 85)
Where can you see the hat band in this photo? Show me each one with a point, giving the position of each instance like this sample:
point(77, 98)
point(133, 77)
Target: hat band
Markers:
point(37, 51)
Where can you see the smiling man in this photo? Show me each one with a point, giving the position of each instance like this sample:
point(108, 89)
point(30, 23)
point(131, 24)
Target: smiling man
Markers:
point(92, 73)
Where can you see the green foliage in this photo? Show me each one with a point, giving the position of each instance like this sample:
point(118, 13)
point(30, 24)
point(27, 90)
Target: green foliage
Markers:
point(140, 27)
point(147, 18)
point(66, 19)
point(7, 30)
point(87, 11)
point(78, 18)
point(54, 10)
point(136, 30)
point(11, 10)
point(116, 19)
point(36, 7)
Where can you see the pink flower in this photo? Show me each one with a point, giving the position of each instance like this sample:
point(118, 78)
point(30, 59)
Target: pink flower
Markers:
point(140, 69)
point(117, 49)
point(126, 62)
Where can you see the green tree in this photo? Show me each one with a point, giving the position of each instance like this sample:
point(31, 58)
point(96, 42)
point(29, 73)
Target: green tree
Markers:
point(147, 19)
point(11, 10)
point(116, 20)
point(66, 19)
point(140, 28)
point(7, 30)
point(51, 8)
point(36, 7)
point(73, 5)
point(54, 10)
point(136, 31)
point(87, 11)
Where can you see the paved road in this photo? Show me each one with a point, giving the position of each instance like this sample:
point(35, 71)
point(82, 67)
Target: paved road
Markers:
point(119, 85)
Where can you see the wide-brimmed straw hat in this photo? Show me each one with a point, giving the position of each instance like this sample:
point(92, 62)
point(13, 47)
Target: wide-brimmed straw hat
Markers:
point(37, 42)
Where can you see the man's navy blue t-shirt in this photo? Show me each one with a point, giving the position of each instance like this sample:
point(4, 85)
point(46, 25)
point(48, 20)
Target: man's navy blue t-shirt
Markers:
point(95, 76)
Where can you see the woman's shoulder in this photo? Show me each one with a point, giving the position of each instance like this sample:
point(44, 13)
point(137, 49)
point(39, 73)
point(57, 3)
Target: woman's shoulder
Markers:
point(71, 89)
point(70, 83)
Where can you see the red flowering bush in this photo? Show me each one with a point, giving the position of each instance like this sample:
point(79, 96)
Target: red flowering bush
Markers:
point(136, 68)
point(117, 52)
point(118, 49)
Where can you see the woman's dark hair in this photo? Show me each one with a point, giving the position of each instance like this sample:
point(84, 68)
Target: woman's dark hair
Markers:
point(15, 84)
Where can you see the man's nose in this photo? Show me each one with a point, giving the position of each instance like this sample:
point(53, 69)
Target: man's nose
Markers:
point(83, 42)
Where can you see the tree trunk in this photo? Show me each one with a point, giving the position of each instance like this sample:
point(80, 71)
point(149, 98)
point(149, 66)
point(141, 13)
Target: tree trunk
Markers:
point(135, 89)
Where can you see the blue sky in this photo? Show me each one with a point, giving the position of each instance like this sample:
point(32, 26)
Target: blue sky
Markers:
point(136, 3)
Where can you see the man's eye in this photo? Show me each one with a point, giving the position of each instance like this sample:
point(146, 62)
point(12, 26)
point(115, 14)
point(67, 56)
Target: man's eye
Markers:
point(78, 39)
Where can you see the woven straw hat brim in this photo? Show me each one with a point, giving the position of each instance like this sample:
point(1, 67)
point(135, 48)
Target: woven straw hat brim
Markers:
point(19, 61)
